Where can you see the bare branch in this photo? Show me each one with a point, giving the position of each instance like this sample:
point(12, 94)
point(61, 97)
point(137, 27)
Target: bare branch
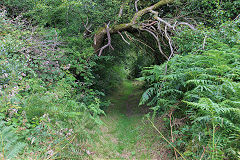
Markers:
point(129, 37)
point(87, 27)
point(187, 24)
point(160, 19)
point(123, 38)
point(101, 33)
point(134, 39)
point(168, 24)
point(136, 7)
point(109, 40)
point(170, 43)
point(140, 13)
point(121, 11)
point(204, 42)
point(237, 17)
point(159, 44)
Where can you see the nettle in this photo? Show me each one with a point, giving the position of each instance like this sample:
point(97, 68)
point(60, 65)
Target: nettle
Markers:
point(204, 90)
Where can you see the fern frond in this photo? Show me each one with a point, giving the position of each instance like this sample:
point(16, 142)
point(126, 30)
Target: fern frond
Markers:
point(10, 142)
point(146, 95)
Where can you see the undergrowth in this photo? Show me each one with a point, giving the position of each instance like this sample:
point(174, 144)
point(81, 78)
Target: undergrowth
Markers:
point(46, 113)
point(202, 92)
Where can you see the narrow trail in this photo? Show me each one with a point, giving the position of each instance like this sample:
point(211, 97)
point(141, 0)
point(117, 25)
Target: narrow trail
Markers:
point(125, 134)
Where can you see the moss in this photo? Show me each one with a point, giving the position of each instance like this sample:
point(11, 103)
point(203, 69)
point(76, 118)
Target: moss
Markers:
point(120, 27)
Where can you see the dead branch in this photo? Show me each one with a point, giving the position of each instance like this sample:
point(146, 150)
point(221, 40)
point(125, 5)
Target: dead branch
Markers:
point(168, 24)
point(158, 41)
point(142, 12)
point(144, 44)
point(149, 24)
point(129, 37)
point(171, 126)
point(134, 39)
point(170, 43)
point(186, 24)
point(121, 10)
point(131, 26)
point(159, 28)
point(204, 42)
point(87, 27)
point(109, 40)
point(123, 38)
point(136, 7)
point(237, 17)
point(160, 19)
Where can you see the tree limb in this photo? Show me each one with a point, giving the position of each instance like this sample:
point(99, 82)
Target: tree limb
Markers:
point(109, 40)
point(131, 26)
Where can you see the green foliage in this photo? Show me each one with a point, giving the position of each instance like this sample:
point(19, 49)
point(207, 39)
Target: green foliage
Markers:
point(68, 18)
point(67, 14)
point(210, 12)
point(53, 69)
point(205, 88)
point(37, 90)
point(10, 145)
point(53, 138)
point(205, 38)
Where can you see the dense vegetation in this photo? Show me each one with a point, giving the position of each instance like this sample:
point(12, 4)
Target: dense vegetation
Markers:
point(56, 73)
point(201, 90)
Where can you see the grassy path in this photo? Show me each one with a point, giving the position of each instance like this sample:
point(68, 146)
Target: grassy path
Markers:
point(125, 135)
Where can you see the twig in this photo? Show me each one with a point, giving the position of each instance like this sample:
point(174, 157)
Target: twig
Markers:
point(203, 153)
point(144, 44)
point(204, 41)
point(187, 24)
point(160, 19)
point(134, 39)
point(169, 42)
point(136, 7)
point(87, 27)
point(237, 17)
point(159, 44)
point(149, 24)
point(123, 38)
point(121, 11)
point(166, 139)
point(171, 126)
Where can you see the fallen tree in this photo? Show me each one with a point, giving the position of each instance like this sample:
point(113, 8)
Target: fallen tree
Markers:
point(156, 26)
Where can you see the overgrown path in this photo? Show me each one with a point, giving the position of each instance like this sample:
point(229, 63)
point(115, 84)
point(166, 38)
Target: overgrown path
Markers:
point(125, 134)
